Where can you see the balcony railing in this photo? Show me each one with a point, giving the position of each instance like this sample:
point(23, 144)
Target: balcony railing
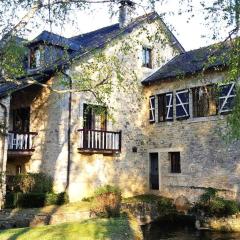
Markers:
point(21, 141)
point(99, 141)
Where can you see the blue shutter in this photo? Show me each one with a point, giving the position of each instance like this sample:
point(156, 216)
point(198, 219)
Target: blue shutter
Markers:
point(182, 104)
point(169, 106)
point(226, 97)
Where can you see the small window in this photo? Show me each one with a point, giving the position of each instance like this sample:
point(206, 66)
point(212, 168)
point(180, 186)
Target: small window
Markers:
point(175, 162)
point(227, 94)
point(36, 58)
point(147, 57)
point(182, 104)
point(165, 107)
point(204, 101)
point(152, 109)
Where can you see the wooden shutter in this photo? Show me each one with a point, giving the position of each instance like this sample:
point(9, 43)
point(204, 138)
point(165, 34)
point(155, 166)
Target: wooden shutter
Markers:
point(226, 98)
point(152, 109)
point(182, 104)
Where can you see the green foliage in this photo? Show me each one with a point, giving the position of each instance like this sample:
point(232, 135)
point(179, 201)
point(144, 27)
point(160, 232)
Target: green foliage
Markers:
point(106, 202)
point(107, 189)
point(211, 205)
point(32, 182)
point(34, 200)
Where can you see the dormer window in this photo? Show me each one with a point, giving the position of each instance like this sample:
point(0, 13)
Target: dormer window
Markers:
point(147, 57)
point(35, 60)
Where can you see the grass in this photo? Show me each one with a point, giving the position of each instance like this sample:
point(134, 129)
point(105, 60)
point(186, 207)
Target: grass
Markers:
point(113, 228)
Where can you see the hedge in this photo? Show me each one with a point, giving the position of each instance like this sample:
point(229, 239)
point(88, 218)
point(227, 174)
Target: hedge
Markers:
point(34, 200)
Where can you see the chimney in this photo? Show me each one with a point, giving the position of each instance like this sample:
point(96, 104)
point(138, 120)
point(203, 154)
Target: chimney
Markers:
point(125, 11)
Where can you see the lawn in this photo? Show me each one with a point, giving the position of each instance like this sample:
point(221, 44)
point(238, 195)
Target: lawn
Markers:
point(112, 229)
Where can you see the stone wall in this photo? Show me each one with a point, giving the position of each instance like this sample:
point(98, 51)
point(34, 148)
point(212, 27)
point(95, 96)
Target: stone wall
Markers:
point(206, 159)
point(49, 118)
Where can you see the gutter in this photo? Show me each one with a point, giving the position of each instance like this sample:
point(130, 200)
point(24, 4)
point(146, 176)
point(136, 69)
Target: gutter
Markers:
point(69, 130)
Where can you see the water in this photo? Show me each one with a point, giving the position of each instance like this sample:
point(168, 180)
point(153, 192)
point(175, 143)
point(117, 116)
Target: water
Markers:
point(158, 231)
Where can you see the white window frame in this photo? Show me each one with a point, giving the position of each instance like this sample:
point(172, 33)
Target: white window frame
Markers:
point(228, 96)
point(152, 109)
point(182, 104)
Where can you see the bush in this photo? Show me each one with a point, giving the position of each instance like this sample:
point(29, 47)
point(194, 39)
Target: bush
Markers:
point(106, 202)
point(32, 182)
point(213, 206)
point(34, 200)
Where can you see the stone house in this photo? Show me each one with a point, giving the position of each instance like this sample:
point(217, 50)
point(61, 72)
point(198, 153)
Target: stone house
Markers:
point(159, 139)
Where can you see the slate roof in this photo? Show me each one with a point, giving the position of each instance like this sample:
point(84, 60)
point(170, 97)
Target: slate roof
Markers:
point(192, 62)
point(83, 44)
point(54, 39)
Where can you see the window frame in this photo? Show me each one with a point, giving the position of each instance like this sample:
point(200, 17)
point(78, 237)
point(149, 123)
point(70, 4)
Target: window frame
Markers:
point(145, 51)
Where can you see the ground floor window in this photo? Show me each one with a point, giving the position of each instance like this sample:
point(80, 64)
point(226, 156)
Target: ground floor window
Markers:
point(175, 162)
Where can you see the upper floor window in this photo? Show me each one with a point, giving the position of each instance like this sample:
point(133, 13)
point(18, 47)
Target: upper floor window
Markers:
point(95, 117)
point(182, 104)
point(165, 107)
point(147, 57)
point(227, 94)
point(152, 109)
point(36, 56)
point(204, 101)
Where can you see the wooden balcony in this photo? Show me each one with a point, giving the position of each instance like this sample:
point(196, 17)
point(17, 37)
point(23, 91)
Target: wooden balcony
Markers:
point(21, 143)
point(98, 141)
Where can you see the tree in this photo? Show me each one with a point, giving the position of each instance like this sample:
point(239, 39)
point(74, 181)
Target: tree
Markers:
point(54, 12)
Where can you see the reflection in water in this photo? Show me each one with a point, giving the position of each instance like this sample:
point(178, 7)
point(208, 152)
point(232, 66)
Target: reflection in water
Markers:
point(158, 231)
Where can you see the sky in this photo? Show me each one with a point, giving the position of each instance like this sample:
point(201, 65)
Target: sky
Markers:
point(189, 33)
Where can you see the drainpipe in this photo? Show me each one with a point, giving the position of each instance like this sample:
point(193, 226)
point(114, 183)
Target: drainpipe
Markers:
point(69, 130)
point(3, 148)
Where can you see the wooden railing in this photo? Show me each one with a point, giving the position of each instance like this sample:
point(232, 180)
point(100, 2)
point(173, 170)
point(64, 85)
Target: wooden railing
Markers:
point(100, 141)
point(21, 141)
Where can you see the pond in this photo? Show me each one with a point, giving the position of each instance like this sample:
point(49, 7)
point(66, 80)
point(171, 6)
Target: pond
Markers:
point(159, 231)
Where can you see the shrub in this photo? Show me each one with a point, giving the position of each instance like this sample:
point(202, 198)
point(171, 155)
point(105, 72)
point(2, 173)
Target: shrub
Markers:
point(211, 205)
point(34, 200)
point(32, 182)
point(106, 202)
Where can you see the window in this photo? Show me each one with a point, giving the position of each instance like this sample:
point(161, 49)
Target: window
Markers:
point(152, 109)
point(175, 162)
point(182, 104)
point(204, 101)
point(147, 57)
point(165, 107)
point(35, 58)
point(21, 119)
point(95, 117)
point(227, 94)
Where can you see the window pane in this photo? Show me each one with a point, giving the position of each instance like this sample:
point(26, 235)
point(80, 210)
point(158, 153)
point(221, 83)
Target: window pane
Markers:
point(204, 101)
point(175, 162)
